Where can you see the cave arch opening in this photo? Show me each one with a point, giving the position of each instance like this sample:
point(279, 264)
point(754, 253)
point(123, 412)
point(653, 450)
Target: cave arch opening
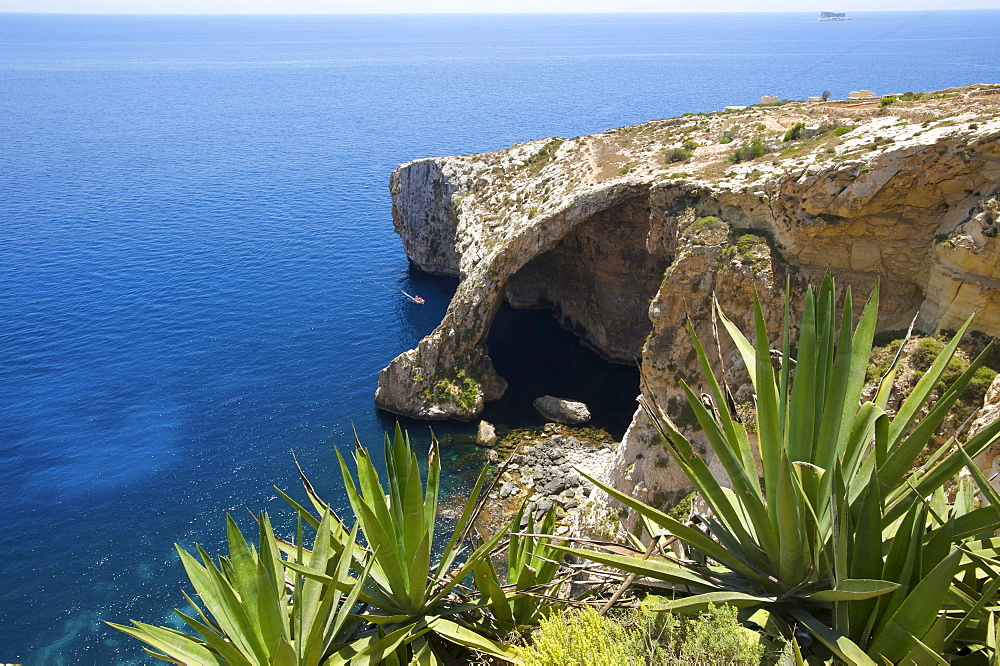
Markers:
point(538, 357)
point(576, 317)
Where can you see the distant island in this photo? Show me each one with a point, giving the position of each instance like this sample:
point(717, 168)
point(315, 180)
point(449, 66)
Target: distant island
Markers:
point(833, 16)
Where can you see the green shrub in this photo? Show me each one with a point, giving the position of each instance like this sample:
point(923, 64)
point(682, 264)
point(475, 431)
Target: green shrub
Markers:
point(703, 225)
point(752, 250)
point(580, 639)
point(749, 151)
point(886, 101)
point(922, 355)
point(678, 155)
point(796, 132)
point(980, 384)
point(690, 145)
point(925, 351)
point(681, 510)
point(747, 243)
point(881, 360)
point(713, 636)
point(841, 131)
point(456, 387)
point(643, 636)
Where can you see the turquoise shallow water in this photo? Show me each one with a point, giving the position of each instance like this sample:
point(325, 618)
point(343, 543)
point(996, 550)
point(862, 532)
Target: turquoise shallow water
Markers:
point(198, 272)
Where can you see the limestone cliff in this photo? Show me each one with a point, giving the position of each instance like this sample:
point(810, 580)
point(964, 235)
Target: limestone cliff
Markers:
point(625, 233)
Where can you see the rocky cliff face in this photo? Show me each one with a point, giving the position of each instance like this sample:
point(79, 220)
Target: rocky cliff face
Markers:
point(625, 233)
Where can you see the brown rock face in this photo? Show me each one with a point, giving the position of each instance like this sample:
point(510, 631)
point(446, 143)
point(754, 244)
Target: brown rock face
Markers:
point(623, 244)
point(598, 280)
point(421, 195)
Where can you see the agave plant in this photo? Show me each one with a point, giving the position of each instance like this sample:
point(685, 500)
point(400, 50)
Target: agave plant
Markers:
point(532, 565)
point(344, 601)
point(257, 610)
point(414, 610)
point(838, 532)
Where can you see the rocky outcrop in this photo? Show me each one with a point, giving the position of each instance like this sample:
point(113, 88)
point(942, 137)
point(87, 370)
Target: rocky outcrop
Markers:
point(561, 410)
point(989, 460)
point(964, 276)
point(623, 235)
point(486, 434)
point(544, 470)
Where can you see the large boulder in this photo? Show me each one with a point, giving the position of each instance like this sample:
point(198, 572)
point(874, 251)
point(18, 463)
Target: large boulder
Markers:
point(561, 410)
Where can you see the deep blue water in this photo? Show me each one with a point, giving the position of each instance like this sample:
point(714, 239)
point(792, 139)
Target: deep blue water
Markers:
point(198, 272)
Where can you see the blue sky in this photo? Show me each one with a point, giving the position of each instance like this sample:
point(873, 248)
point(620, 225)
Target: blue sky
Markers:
point(450, 6)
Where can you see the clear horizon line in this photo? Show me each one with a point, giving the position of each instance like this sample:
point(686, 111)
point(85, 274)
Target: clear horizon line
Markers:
point(484, 13)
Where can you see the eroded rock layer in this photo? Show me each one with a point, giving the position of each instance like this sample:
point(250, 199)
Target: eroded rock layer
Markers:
point(625, 233)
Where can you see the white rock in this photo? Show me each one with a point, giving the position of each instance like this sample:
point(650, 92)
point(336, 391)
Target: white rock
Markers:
point(486, 434)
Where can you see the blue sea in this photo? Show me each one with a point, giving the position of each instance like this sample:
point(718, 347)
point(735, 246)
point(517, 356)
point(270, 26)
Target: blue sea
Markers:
point(198, 273)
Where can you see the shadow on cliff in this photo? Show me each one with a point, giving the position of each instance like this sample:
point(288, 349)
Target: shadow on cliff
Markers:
point(533, 353)
point(537, 356)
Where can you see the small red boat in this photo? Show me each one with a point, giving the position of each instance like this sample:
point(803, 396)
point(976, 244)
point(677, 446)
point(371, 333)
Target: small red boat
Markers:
point(415, 299)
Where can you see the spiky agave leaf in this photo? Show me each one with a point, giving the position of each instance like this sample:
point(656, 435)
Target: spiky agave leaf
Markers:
point(249, 617)
point(398, 523)
point(532, 566)
point(839, 534)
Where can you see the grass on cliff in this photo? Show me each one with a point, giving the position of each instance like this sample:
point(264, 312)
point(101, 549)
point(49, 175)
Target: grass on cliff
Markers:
point(456, 387)
point(698, 230)
point(919, 355)
point(750, 249)
point(541, 159)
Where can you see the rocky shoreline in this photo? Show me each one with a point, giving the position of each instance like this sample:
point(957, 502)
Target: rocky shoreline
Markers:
point(628, 234)
point(540, 466)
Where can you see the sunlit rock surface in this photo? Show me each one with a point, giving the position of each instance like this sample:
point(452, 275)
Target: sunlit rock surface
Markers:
point(623, 244)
